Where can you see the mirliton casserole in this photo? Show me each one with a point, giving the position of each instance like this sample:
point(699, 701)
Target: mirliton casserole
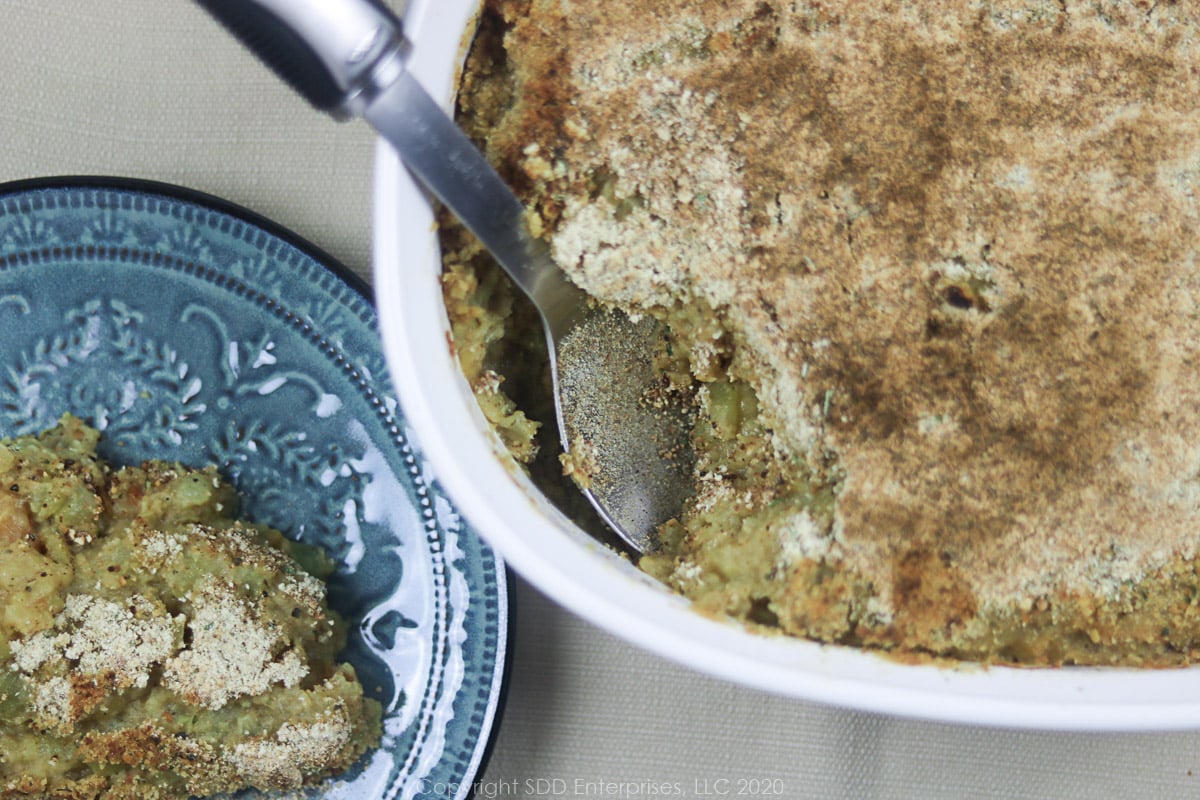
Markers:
point(931, 271)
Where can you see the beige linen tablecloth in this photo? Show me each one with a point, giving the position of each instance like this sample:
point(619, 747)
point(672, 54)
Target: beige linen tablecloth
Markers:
point(152, 89)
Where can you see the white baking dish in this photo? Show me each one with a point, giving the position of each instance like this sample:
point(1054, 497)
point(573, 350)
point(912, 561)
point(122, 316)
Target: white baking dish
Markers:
point(562, 561)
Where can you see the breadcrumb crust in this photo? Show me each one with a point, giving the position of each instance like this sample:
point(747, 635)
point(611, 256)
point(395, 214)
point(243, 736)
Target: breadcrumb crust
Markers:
point(949, 245)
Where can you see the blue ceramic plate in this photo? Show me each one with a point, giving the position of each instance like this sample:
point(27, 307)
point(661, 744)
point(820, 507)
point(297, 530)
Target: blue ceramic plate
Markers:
point(187, 330)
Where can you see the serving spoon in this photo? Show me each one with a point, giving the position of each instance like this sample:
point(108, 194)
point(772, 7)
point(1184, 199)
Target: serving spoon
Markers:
point(629, 450)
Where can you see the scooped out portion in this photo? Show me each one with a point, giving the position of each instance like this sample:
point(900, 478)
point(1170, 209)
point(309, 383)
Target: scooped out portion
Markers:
point(930, 270)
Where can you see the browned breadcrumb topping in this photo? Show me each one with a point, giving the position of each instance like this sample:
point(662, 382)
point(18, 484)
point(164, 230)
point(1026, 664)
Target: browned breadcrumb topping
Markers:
point(951, 245)
point(113, 647)
point(232, 652)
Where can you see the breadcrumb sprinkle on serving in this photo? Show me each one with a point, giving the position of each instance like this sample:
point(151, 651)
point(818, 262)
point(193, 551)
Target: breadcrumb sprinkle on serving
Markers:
point(154, 646)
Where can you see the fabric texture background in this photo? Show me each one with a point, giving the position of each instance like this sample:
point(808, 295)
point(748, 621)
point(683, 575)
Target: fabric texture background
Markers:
point(153, 89)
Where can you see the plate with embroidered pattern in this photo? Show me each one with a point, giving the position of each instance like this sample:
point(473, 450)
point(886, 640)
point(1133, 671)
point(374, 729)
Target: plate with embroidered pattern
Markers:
point(187, 329)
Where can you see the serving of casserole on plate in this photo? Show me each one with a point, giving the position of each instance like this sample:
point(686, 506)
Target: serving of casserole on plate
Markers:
point(152, 645)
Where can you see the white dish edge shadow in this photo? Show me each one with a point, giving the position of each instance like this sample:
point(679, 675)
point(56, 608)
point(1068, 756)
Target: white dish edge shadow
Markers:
point(566, 564)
